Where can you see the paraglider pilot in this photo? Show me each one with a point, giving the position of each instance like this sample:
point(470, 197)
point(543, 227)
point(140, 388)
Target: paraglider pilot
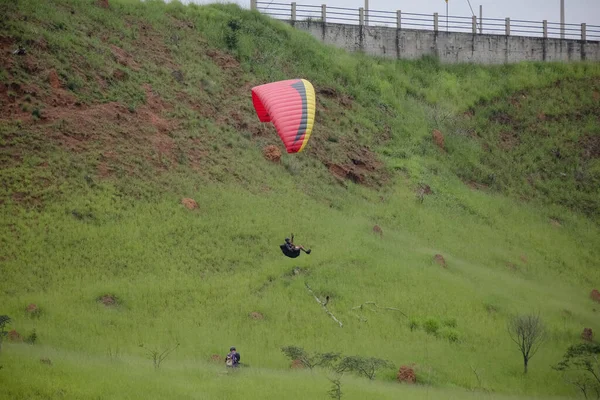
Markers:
point(233, 358)
point(291, 250)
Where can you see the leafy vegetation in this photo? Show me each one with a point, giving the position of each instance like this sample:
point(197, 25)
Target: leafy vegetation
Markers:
point(114, 115)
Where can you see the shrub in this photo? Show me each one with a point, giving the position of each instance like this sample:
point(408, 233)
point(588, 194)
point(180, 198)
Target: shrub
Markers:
point(31, 338)
point(431, 325)
point(364, 366)
point(449, 322)
point(414, 323)
point(449, 333)
point(309, 360)
point(231, 36)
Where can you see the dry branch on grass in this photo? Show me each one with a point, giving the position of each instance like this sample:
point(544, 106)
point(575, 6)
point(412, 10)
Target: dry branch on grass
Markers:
point(372, 303)
point(324, 306)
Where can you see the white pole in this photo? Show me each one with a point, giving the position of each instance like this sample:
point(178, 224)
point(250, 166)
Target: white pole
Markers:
point(446, 16)
point(562, 19)
point(367, 12)
point(480, 19)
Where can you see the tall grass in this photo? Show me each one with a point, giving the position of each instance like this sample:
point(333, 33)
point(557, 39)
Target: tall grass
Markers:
point(68, 236)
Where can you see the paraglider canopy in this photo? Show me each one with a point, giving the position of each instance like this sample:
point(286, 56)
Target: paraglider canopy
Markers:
point(290, 105)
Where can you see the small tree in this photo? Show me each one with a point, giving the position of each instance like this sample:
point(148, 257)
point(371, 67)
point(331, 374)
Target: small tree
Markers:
point(528, 332)
point(4, 320)
point(336, 388)
point(310, 360)
point(365, 366)
point(157, 356)
point(581, 366)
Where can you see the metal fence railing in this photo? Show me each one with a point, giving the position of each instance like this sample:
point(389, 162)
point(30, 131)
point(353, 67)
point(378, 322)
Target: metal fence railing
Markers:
point(433, 22)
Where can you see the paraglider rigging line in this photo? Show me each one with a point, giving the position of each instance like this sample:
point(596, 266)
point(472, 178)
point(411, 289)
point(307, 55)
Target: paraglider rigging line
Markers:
point(472, 12)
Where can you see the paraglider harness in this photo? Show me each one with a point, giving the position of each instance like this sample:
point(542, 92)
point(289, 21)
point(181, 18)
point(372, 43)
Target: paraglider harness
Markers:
point(289, 249)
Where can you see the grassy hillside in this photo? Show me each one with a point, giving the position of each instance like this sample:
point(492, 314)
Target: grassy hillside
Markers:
point(113, 115)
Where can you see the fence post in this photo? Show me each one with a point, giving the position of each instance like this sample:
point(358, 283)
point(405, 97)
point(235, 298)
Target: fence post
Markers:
point(294, 11)
point(435, 22)
point(253, 4)
point(474, 20)
point(361, 16)
point(366, 12)
point(507, 26)
point(583, 29)
point(324, 12)
point(545, 25)
point(399, 19)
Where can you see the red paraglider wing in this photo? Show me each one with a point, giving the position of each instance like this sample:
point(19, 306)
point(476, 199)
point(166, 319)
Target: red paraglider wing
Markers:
point(290, 105)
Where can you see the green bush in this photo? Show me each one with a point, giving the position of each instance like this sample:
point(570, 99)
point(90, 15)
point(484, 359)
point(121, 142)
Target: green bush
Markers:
point(449, 333)
point(449, 322)
point(414, 323)
point(431, 325)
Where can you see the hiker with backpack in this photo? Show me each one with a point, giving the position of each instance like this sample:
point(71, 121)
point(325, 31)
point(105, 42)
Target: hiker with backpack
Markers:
point(290, 249)
point(233, 358)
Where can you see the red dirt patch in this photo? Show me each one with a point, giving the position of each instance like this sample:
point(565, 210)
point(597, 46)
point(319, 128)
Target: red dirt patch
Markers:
point(523, 258)
point(406, 374)
point(14, 336)
point(378, 231)
point(511, 266)
point(54, 80)
point(555, 222)
point(272, 153)
point(103, 3)
point(476, 185)
point(31, 308)
point(108, 300)
point(223, 60)
point(596, 95)
point(216, 358)
point(342, 98)
point(119, 75)
point(296, 364)
point(190, 204)
point(153, 100)
point(508, 140)
point(595, 295)
point(438, 258)
point(6, 49)
point(590, 144)
point(587, 334)
point(425, 189)
point(362, 168)
point(256, 315)
point(124, 58)
point(438, 139)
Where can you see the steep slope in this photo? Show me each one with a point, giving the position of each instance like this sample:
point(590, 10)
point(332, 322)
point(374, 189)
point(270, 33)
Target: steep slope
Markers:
point(111, 116)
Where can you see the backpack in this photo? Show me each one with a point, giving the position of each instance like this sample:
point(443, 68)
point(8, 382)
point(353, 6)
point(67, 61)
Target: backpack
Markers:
point(230, 361)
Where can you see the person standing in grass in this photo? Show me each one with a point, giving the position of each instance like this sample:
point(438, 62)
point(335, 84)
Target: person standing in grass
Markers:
point(291, 250)
point(233, 358)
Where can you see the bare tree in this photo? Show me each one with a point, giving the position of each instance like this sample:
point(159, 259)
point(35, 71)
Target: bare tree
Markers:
point(528, 332)
point(157, 356)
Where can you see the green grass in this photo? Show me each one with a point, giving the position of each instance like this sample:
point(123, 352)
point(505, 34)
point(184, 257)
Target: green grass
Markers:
point(90, 205)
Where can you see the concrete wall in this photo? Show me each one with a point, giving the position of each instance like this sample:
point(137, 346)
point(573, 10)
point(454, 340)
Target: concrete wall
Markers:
point(450, 47)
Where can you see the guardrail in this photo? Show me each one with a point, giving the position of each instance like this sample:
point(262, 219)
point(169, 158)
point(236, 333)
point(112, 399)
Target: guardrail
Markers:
point(401, 20)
